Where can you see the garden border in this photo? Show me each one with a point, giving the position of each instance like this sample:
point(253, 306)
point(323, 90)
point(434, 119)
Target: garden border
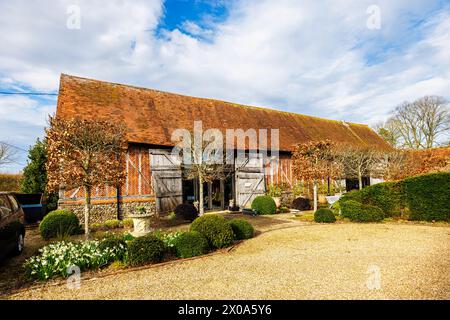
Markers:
point(99, 275)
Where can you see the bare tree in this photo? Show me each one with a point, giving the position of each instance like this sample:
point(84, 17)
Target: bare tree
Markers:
point(360, 162)
point(7, 154)
point(420, 124)
point(204, 161)
point(387, 130)
point(85, 154)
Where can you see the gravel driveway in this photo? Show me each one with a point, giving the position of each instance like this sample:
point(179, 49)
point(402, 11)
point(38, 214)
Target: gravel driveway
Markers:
point(301, 262)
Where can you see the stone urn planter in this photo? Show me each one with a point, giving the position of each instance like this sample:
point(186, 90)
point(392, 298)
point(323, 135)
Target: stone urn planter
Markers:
point(141, 222)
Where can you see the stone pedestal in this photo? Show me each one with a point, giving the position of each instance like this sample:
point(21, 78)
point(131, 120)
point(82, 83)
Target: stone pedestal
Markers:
point(142, 224)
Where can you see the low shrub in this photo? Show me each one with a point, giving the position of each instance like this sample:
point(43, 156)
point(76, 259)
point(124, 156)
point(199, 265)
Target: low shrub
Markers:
point(59, 259)
point(147, 249)
point(186, 212)
point(242, 229)
point(359, 212)
point(115, 243)
point(324, 215)
point(215, 229)
point(96, 226)
point(427, 196)
point(283, 209)
point(354, 195)
point(264, 205)
point(112, 224)
point(59, 223)
point(190, 244)
point(302, 204)
point(168, 238)
point(128, 223)
point(388, 196)
point(336, 208)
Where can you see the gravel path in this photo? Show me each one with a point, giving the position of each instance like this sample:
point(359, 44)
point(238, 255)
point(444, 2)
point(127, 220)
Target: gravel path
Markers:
point(302, 262)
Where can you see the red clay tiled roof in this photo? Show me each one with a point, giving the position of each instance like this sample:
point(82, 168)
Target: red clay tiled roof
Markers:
point(151, 115)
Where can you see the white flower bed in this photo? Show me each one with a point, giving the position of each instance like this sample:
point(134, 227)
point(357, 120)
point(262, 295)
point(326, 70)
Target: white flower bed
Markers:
point(55, 259)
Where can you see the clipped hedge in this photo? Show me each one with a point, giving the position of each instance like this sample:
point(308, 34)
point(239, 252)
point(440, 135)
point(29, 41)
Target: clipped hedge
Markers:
point(59, 223)
point(242, 229)
point(358, 212)
point(186, 212)
point(427, 196)
point(190, 244)
point(147, 249)
point(215, 229)
point(354, 195)
point(388, 196)
point(324, 215)
point(264, 205)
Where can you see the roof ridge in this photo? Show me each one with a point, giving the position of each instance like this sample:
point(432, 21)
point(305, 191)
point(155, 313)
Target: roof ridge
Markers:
point(234, 104)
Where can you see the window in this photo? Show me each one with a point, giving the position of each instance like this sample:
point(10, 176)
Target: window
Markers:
point(13, 202)
point(5, 209)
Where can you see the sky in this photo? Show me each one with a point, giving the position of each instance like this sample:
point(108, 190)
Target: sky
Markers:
point(340, 59)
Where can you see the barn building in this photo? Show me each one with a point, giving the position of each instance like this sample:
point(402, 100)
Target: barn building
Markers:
point(154, 176)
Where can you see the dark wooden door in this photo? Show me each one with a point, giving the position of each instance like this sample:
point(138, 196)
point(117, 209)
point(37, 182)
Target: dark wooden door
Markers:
point(166, 180)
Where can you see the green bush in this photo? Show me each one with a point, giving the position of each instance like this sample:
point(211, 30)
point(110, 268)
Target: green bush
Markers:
point(264, 205)
point(215, 229)
point(359, 212)
point(168, 238)
point(147, 249)
point(354, 195)
point(428, 196)
point(116, 244)
point(388, 196)
point(324, 215)
point(128, 223)
point(96, 226)
point(283, 209)
point(242, 229)
point(190, 244)
point(112, 224)
point(425, 197)
point(59, 223)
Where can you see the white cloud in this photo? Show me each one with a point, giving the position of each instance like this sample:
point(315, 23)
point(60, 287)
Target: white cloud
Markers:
point(303, 56)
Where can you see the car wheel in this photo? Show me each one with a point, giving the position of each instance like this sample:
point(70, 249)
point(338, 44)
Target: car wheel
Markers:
point(20, 244)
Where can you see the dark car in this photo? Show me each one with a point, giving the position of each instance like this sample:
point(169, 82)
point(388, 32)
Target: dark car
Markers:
point(12, 228)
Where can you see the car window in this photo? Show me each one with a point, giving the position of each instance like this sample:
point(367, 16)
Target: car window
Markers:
point(5, 208)
point(13, 202)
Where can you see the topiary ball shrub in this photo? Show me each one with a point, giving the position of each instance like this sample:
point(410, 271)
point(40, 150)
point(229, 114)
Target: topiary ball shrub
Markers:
point(147, 249)
point(186, 212)
point(215, 229)
point(324, 215)
point(190, 244)
point(358, 212)
point(242, 229)
point(302, 204)
point(59, 223)
point(264, 205)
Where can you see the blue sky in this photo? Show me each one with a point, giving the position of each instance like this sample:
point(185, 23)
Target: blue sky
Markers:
point(311, 57)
